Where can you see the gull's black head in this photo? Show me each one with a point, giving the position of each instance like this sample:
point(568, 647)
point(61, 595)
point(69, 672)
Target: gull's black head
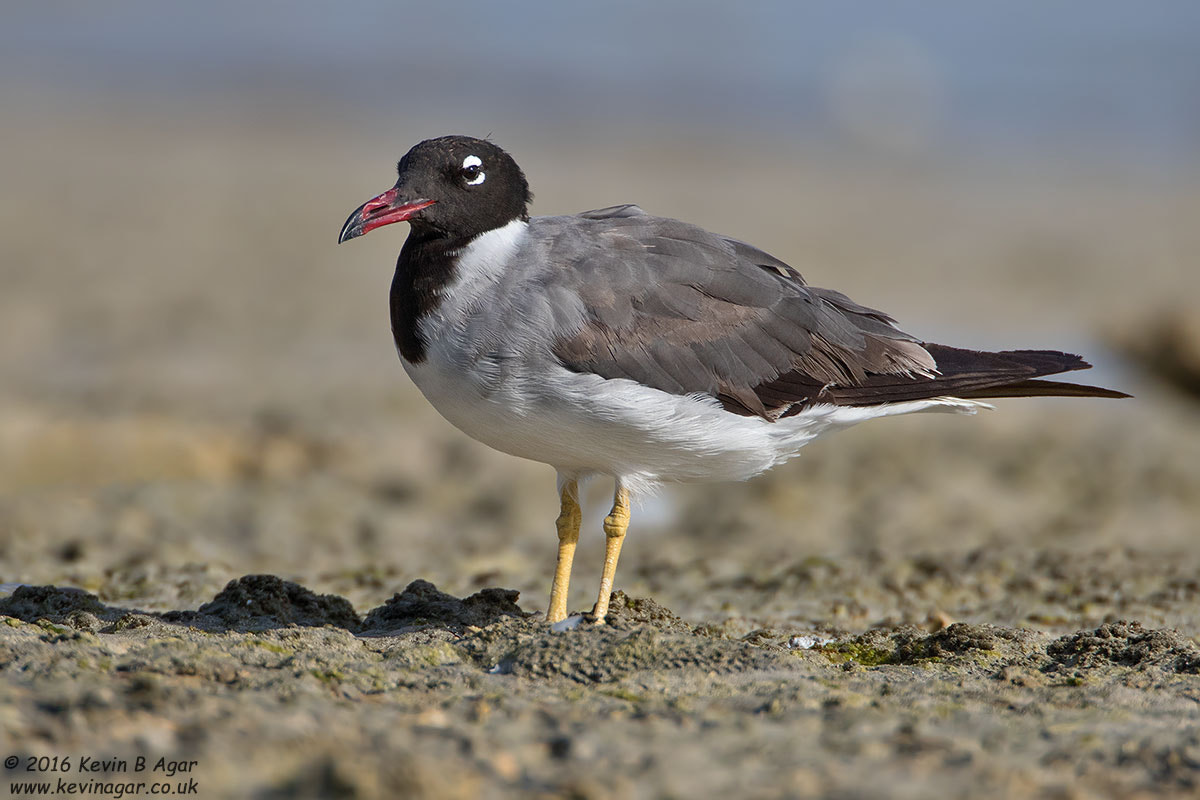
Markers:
point(452, 186)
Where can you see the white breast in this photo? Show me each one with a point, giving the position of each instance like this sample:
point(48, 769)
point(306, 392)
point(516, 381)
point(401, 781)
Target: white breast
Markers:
point(459, 376)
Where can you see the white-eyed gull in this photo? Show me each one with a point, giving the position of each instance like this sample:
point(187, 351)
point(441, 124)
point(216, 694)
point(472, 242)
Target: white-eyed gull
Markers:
point(643, 348)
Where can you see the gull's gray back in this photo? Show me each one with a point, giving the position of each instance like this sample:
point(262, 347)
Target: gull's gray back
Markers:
point(623, 294)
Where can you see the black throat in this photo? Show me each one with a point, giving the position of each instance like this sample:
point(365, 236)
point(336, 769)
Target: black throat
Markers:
point(425, 267)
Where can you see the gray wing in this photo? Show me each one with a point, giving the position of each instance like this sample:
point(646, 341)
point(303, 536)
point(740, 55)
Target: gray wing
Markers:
point(680, 309)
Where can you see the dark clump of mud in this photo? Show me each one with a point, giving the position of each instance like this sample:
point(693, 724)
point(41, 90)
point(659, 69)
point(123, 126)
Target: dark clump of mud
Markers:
point(627, 612)
point(258, 602)
point(1126, 644)
point(957, 643)
point(421, 604)
point(31, 603)
point(960, 639)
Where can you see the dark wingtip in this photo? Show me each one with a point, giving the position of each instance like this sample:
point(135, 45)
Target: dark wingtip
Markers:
point(1042, 388)
point(1047, 362)
point(977, 374)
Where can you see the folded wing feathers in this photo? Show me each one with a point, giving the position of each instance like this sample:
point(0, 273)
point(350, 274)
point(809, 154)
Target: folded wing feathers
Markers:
point(685, 311)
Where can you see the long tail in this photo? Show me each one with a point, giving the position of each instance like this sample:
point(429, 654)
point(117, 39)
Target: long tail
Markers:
point(975, 375)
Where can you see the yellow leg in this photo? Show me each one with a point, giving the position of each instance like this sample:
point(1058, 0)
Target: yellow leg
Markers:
point(568, 522)
point(615, 525)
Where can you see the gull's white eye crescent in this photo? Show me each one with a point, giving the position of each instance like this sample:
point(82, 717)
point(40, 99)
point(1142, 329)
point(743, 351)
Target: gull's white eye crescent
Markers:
point(472, 171)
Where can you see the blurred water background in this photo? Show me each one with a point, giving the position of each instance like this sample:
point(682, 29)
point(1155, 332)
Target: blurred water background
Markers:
point(1115, 80)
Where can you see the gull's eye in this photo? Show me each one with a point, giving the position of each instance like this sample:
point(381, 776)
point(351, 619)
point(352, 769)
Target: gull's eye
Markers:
point(472, 170)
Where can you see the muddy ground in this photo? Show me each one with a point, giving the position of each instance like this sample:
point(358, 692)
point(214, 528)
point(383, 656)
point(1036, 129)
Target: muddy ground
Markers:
point(232, 534)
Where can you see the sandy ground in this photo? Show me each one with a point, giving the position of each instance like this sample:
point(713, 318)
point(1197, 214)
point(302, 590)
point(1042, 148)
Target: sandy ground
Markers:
point(196, 385)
